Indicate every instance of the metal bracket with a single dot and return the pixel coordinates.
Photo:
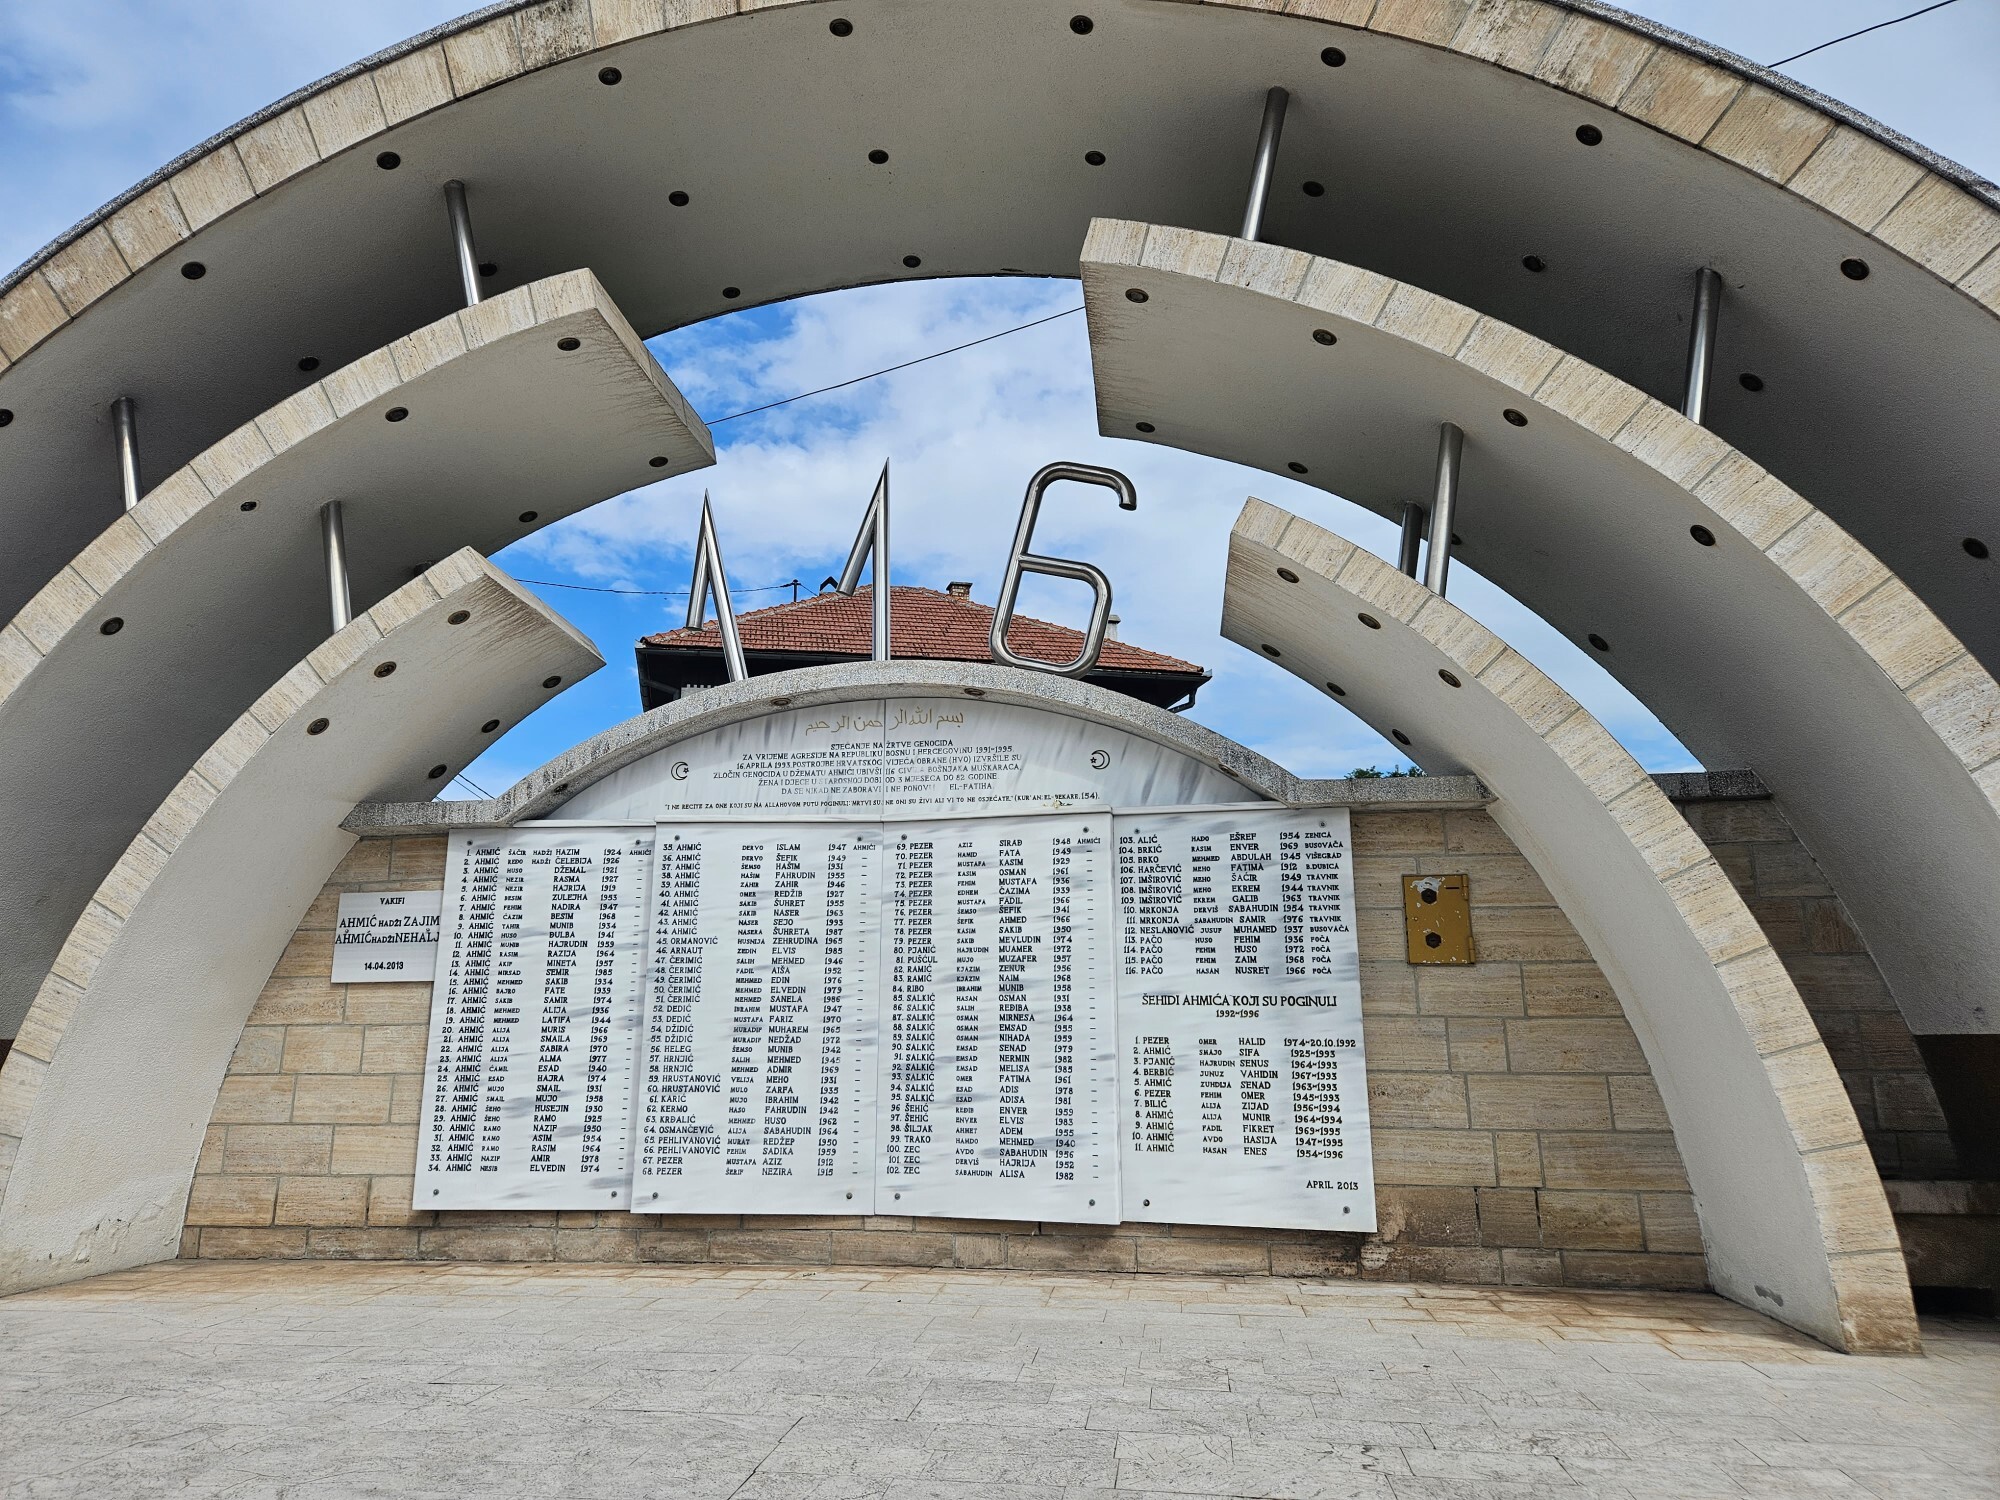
(1437, 919)
(1021, 560)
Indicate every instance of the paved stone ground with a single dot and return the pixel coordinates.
(255, 1379)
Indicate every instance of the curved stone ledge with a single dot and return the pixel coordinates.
(137, 655)
(1793, 1217)
(541, 793)
(1784, 646)
(1940, 214)
(105, 1095)
(1742, 169)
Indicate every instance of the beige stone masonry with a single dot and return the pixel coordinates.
(313, 1142)
(1294, 592)
(1880, 193)
(87, 1135)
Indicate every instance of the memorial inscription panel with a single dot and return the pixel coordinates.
(998, 1047)
(1246, 1097)
(528, 1081)
(757, 1073)
(891, 1002)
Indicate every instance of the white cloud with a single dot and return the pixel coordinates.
(965, 433)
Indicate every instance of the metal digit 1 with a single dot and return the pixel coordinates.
(1021, 560)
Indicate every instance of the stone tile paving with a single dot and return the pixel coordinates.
(322, 1380)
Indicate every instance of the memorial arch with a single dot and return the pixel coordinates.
(1556, 168)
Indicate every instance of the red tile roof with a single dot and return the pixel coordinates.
(923, 624)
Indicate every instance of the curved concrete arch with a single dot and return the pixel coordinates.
(130, 662)
(1783, 646)
(105, 1096)
(1793, 1217)
(1447, 143)
(542, 793)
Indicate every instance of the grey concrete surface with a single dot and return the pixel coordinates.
(266, 1379)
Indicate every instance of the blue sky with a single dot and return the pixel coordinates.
(94, 94)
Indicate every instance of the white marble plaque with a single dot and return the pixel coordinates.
(1245, 1095)
(757, 1071)
(534, 1019)
(998, 1095)
(386, 937)
(921, 756)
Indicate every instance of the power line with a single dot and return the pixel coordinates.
(1895, 21)
(584, 588)
(873, 374)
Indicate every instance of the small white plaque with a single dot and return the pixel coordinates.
(387, 937)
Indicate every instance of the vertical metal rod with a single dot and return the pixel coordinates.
(873, 540)
(1266, 164)
(126, 417)
(1437, 556)
(1701, 343)
(1414, 516)
(710, 579)
(334, 538)
(461, 238)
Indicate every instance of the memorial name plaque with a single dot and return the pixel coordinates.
(901, 758)
(1246, 1099)
(899, 956)
(386, 937)
(998, 1048)
(757, 1072)
(534, 1015)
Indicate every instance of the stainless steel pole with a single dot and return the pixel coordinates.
(1266, 163)
(1414, 516)
(873, 540)
(334, 538)
(1437, 557)
(461, 238)
(126, 416)
(1701, 343)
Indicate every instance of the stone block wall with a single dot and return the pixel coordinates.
(1518, 1136)
(1857, 1017)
